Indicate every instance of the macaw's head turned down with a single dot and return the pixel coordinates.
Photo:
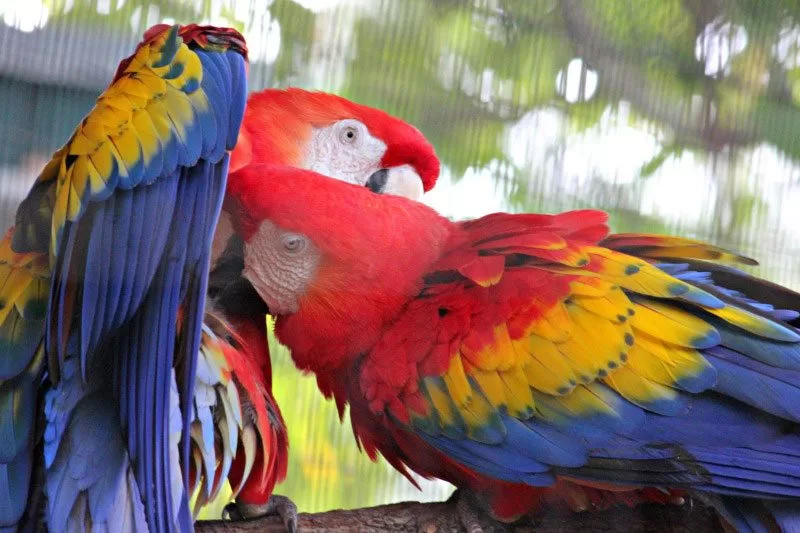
(317, 247)
(338, 138)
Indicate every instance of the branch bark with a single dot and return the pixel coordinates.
(440, 517)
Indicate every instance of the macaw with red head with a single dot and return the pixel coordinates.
(522, 356)
(105, 274)
(344, 140)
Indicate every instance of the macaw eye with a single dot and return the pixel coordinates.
(348, 134)
(293, 243)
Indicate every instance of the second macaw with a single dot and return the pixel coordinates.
(345, 141)
(513, 354)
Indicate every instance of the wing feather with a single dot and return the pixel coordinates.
(541, 332)
(124, 213)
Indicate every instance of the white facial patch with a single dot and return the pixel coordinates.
(280, 264)
(345, 151)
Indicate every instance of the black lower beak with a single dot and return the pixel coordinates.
(377, 182)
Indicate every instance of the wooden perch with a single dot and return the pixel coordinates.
(413, 516)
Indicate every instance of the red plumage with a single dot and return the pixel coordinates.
(276, 130)
(486, 353)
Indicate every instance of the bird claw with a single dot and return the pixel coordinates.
(276, 505)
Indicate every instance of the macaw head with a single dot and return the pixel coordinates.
(338, 138)
(331, 257)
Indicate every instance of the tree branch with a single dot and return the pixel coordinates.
(440, 517)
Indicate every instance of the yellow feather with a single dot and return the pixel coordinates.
(753, 323)
(503, 351)
(102, 160)
(609, 341)
(475, 413)
(14, 282)
(554, 324)
(81, 144)
(93, 129)
(441, 401)
(636, 275)
(665, 364)
(456, 380)
(110, 118)
(192, 68)
(153, 85)
(595, 344)
(638, 388)
(670, 323)
(491, 385)
(698, 251)
(584, 400)
(547, 370)
(73, 203)
(614, 264)
(518, 393)
(84, 166)
(127, 147)
(180, 108)
(148, 136)
(499, 354)
(604, 307)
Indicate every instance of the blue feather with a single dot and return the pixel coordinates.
(130, 255)
(117, 261)
(222, 74)
(775, 353)
(711, 420)
(99, 217)
(238, 96)
(212, 86)
(14, 478)
(771, 389)
(91, 470)
(16, 429)
(533, 474)
(595, 428)
(203, 236)
(162, 197)
(157, 166)
(54, 340)
(747, 464)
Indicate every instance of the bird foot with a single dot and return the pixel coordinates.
(468, 515)
(276, 506)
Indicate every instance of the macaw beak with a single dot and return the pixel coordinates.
(400, 181)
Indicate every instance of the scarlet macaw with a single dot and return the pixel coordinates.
(233, 411)
(513, 353)
(111, 243)
(345, 141)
